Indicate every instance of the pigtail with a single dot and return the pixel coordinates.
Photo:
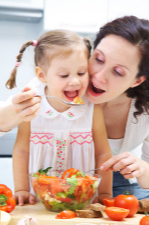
(11, 82)
(88, 45)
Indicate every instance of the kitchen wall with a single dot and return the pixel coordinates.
(12, 36)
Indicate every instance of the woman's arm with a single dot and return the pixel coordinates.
(20, 165)
(24, 107)
(102, 153)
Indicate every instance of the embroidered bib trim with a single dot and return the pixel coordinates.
(49, 112)
(48, 138)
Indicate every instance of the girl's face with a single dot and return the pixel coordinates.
(66, 78)
(113, 67)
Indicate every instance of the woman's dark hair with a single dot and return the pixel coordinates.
(136, 31)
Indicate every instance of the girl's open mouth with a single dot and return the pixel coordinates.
(71, 94)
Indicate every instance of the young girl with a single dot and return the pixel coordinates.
(60, 136)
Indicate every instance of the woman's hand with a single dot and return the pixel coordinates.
(26, 105)
(22, 197)
(128, 165)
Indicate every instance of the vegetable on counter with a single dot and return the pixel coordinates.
(116, 213)
(127, 201)
(108, 201)
(27, 221)
(144, 220)
(66, 214)
(7, 202)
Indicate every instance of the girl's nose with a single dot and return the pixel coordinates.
(74, 81)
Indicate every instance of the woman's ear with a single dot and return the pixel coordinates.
(138, 81)
(40, 74)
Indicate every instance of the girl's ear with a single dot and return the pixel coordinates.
(40, 74)
(138, 81)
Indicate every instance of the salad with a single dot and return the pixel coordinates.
(73, 190)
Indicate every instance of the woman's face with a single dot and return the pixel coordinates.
(113, 67)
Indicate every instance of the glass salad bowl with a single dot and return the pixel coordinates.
(59, 190)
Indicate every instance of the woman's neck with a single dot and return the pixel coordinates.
(120, 100)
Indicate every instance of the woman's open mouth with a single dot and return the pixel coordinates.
(95, 91)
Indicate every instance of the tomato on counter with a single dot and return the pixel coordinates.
(144, 220)
(116, 213)
(108, 201)
(127, 201)
(7, 202)
(66, 214)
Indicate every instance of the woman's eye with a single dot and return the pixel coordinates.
(118, 73)
(99, 60)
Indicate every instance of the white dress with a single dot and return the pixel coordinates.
(62, 140)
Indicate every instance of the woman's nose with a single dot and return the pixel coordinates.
(101, 75)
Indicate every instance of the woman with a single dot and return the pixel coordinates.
(119, 69)
(22, 107)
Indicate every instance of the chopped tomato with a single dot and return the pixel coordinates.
(108, 202)
(116, 213)
(69, 173)
(78, 100)
(67, 200)
(44, 179)
(66, 214)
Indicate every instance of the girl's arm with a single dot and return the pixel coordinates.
(20, 165)
(102, 154)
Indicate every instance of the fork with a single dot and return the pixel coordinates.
(92, 170)
(67, 103)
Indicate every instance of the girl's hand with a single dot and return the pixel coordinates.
(22, 197)
(26, 104)
(128, 165)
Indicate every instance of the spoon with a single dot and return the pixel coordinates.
(67, 103)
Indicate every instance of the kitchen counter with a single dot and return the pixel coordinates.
(46, 217)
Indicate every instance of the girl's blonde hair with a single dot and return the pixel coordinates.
(60, 43)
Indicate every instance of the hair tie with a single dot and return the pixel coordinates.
(17, 64)
(35, 43)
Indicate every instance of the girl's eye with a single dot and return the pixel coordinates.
(63, 76)
(81, 74)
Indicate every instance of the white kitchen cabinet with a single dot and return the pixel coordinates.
(83, 16)
(119, 8)
(87, 16)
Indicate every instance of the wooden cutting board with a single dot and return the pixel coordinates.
(46, 217)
